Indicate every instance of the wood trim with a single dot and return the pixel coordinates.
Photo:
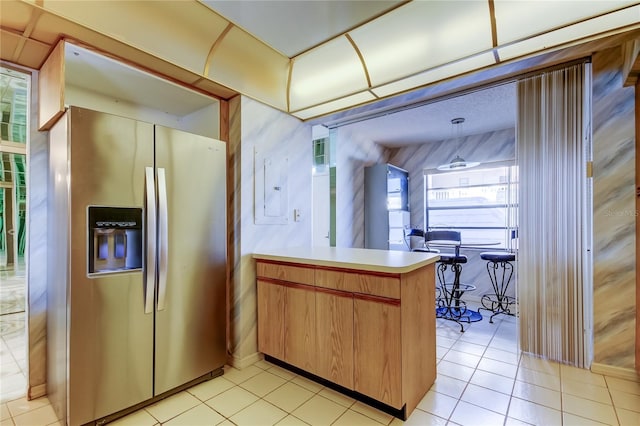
(618, 372)
(331, 268)
(378, 299)
(51, 88)
(333, 292)
(637, 225)
(494, 30)
(37, 391)
(224, 122)
(279, 262)
(362, 61)
(631, 65)
(359, 271)
(214, 47)
(287, 284)
(358, 282)
(290, 273)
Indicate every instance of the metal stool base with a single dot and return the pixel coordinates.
(497, 305)
(500, 273)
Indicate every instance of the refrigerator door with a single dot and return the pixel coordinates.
(191, 305)
(110, 336)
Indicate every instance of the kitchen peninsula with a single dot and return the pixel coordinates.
(361, 319)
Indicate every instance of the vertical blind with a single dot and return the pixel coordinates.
(554, 227)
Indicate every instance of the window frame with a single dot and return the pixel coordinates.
(510, 205)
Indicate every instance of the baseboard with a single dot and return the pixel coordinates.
(241, 363)
(618, 372)
(36, 391)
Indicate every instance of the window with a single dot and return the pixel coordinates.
(320, 154)
(481, 203)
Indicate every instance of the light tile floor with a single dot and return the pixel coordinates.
(481, 381)
(13, 353)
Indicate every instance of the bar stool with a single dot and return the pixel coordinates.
(500, 271)
(416, 232)
(450, 305)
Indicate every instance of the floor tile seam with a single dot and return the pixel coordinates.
(226, 418)
(498, 374)
(338, 418)
(173, 417)
(561, 411)
(208, 406)
(211, 397)
(262, 396)
(462, 365)
(284, 378)
(295, 417)
(513, 387)
(340, 415)
(540, 386)
(469, 353)
(585, 383)
(253, 403)
(30, 409)
(589, 418)
(637, 410)
(298, 406)
(460, 397)
(562, 378)
(350, 405)
(313, 392)
(486, 408)
(590, 399)
(362, 414)
(491, 389)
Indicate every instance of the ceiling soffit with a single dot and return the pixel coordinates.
(413, 45)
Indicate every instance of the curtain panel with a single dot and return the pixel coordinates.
(554, 278)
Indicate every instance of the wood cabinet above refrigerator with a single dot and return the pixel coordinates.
(79, 76)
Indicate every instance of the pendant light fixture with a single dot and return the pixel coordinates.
(458, 163)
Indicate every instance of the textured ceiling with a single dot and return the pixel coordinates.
(484, 110)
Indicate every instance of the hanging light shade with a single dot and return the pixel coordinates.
(458, 163)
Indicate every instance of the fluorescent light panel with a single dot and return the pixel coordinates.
(250, 66)
(446, 71)
(516, 20)
(417, 38)
(612, 21)
(336, 105)
(330, 70)
(422, 35)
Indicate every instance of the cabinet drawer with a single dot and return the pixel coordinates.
(285, 272)
(377, 285)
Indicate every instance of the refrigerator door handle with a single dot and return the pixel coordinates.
(150, 267)
(163, 238)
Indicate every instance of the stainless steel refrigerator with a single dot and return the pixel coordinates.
(137, 292)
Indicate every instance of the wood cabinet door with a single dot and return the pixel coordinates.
(300, 327)
(377, 353)
(271, 319)
(334, 332)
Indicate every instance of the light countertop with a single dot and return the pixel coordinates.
(351, 258)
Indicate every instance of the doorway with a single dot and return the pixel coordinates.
(14, 91)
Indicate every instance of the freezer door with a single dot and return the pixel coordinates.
(110, 336)
(191, 308)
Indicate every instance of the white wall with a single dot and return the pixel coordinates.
(252, 125)
(353, 154)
